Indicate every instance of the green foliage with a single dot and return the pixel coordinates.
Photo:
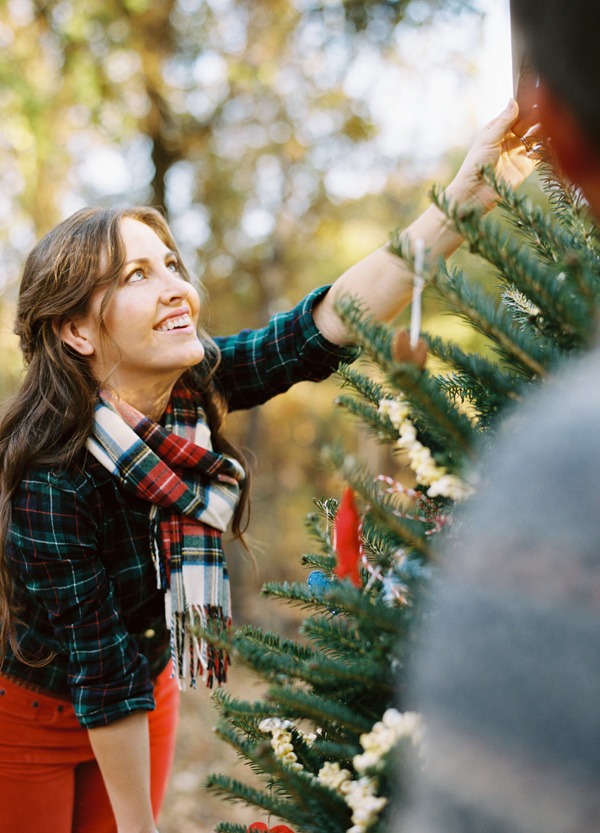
(347, 672)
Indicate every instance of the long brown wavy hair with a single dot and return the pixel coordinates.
(50, 418)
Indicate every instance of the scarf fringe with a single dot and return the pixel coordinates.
(162, 578)
(193, 656)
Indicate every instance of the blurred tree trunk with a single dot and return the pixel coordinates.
(153, 41)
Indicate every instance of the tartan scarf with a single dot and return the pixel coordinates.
(193, 492)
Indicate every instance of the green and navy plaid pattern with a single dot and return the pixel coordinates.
(80, 544)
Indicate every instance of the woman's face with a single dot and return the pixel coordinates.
(151, 319)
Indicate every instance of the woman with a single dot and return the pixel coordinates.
(117, 481)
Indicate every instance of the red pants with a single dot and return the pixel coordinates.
(49, 779)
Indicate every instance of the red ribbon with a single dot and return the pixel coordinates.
(347, 539)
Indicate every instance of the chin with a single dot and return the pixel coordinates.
(193, 358)
(200, 353)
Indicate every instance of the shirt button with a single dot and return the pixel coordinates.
(35, 704)
(149, 633)
(60, 708)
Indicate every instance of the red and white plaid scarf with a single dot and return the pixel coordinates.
(193, 492)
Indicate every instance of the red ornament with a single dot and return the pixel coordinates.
(260, 825)
(347, 539)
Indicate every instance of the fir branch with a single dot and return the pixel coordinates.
(478, 381)
(274, 643)
(409, 532)
(233, 790)
(255, 754)
(296, 796)
(382, 543)
(321, 562)
(380, 424)
(566, 200)
(322, 534)
(435, 410)
(341, 597)
(365, 386)
(354, 671)
(272, 666)
(528, 316)
(349, 643)
(370, 334)
(516, 264)
(334, 636)
(486, 403)
(327, 507)
(337, 718)
(472, 365)
(366, 609)
(587, 281)
(283, 781)
(228, 705)
(342, 752)
(297, 594)
(471, 302)
(550, 237)
(228, 827)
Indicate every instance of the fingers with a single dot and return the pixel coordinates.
(499, 125)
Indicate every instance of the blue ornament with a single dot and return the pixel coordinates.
(318, 582)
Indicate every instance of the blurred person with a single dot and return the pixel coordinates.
(508, 670)
(117, 481)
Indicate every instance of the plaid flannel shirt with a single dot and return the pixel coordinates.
(79, 547)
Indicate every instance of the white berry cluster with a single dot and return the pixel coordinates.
(393, 727)
(281, 740)
(359, 795)
(426, 470)
(334, 777)
(363, 802)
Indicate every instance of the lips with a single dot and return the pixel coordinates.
(174, 322)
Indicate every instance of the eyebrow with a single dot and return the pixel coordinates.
(146, 260)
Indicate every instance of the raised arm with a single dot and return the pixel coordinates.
(382, 282)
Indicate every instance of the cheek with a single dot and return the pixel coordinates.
(194, 302)
(128, 318)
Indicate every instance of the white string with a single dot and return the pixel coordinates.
(418, 284)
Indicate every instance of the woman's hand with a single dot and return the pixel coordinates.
(382, 282)
(497, 146)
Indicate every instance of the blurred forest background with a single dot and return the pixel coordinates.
(284, 139)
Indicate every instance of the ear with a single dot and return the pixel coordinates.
(75, 335)
(576, 154)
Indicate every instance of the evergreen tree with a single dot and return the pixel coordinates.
(325, 739)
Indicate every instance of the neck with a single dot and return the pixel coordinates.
(149, 398)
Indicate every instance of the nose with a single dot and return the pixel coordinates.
(174, 288)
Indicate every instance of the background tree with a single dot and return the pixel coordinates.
(239, 118)
(253, 124)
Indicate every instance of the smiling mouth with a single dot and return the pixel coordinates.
(175, 323)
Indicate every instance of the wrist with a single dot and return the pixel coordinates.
(478, 194)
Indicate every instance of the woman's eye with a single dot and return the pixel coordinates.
(173, 265)
(138, 275)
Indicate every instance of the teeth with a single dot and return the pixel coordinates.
(172, 323)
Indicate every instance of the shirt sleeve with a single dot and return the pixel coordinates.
(54, 551)
(259, 364)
